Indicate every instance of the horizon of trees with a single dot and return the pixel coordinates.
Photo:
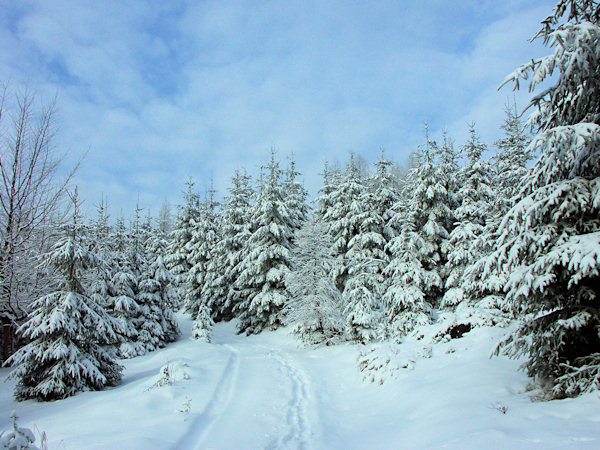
(378, 253)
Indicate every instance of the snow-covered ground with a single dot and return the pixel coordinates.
(264, 392)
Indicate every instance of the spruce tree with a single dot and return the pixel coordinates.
(475, 197)
(295, 195)
(236, 230)
(511, 160)
(178, 260)
(266, 264)
(344, 217)
(367, 256)
(415, 273)
(66, 329)
(212, 293)
(314, 309)
(548, 244)
(122, 294)
(324, 201)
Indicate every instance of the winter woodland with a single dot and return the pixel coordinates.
(380, 252)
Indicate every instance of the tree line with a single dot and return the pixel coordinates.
(378, 253)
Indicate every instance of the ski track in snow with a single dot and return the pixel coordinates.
(296, 415)
(223, 394)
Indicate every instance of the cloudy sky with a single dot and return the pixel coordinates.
(161, 90)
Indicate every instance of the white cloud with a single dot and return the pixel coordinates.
(160, 91)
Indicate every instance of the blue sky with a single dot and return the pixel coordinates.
(161, 90)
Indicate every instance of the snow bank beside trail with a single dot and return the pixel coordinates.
(266, 391)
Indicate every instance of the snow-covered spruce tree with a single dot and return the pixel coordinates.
(410, 283)
(385, 197)
(367, 256)
(415, 273)
(202, 248)
(99, 278)
(314, 308)
(164, 223)
(160, 284)
(213, 292)
(267, 261)
(155, 322)
(236, 229)
(324, 201)
(122, 293)
(65, 329)
(511, 160)
(198, 255)
(294, 198)
(146, 318)
(343, 218)
(475, 197)
(450, 177)
(549, 242)
(159, 246)
(178, 257)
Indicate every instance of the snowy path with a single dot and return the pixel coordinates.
(220, 400)
(263, 392)
(297, 419)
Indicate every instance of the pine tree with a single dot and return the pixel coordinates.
(415, 273)
(163, 222)
(212, 293)
(294, 198)
(266, 264)
(236, 230)
(511, 160)
(475, 196)
(314, 309)
(549, 242)
(100, 277)
(411, 280)
(367, 255)
(65, 329)
(450, 178)
(324, 201)
(344, 218)
(199, 301)
(122, 293)
(385, 197)
(178, 258)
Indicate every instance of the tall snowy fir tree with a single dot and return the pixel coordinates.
(548, 245)
(511, 160)
(201, 251)
(123, 291)
(267, 261)
(212, 293)
(178, 258)
(155, 322)
(314, 309)
(324, 201)
(367, 256)
(294, 198)
(475, 197)
(450, 177)
(101, 275)
(66, 329)
(407, 295)
(236, 229)
(344, 217)
(416, 270)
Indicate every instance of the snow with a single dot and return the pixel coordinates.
(264, 391)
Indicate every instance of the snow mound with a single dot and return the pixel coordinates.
(170, 374)
(386, 360)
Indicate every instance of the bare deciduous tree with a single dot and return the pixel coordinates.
(31, 190)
